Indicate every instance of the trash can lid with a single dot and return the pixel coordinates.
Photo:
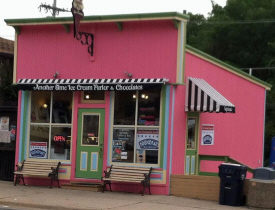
(231, 164)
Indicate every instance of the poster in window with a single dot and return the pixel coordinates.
(207, 134)
(13, 132)
(147, 139)
(4, 122)
(123, 139)
(38, 150)
(5, 137)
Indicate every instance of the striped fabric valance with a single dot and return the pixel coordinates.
(200, 96)
(89, 84)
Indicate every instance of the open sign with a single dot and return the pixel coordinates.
(59, 138)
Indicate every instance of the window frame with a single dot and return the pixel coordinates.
(136, 127)
(50, 124)
(92, 101)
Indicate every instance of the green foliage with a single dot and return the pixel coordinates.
(243, 35)
(8, 91)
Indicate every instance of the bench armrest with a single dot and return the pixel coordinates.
(107, 174)
(55, 170)
(19, 166)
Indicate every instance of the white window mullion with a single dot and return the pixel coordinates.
(50, 126)
(136, 120)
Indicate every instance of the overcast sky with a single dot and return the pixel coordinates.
(17, 9)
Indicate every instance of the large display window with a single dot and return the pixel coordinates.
(50, 125)
(136, 136)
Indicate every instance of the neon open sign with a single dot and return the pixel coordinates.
(59, 138)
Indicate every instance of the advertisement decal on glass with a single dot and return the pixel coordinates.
(207, 134)
(122, 142)
(13, 132)
(5, 137)
(147, 139)
(38, 150)
(4, 123)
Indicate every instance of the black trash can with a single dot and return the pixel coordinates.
(232, 178)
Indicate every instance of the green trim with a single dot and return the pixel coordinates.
(234, 69)
(119, 25)
(67, 27)
(184, 47)
(163, 102)
(208, 174)
(97, 174)
(195, 151)
(111, 18)
(178, 83)
(17, 29)
(224, 158)
(214, 157)
(176, 23)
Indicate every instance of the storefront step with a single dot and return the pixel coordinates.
(96, 187)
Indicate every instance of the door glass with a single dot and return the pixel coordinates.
(191, 142)
(90, 129)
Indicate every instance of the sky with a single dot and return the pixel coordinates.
(20, 9)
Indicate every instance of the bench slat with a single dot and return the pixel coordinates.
(125, 178)
(128, 174)
(37, 164)
(34, 174)
(121, 180)
(129, 168)
(129, 171)
(37, 168)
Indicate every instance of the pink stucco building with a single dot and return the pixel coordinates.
(135, 95)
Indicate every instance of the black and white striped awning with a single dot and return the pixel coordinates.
(89, 84)
(200, 96)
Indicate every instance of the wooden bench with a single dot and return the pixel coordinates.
(127, 174)
(34, 167)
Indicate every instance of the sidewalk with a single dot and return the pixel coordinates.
(58, 198)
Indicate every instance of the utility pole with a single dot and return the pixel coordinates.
(53, 9)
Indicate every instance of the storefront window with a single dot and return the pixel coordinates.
(125, 108)
(60, 142)
(93, 96)
(40, 112)
(62, 108)
(123, 145)
(136, 127)
(50, 127)
(90, 129)
(191, 133)
(148, 109)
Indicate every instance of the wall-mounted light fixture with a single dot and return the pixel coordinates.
(45, 106)
(128, 74)
(55, 74)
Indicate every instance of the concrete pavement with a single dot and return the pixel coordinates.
(58, 198)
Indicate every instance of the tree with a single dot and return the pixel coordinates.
(8, 92)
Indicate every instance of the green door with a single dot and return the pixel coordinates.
(90, 143)
(192, 144)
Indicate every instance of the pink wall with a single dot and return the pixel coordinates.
(238, 135)
(179, 131)
(147, 49)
